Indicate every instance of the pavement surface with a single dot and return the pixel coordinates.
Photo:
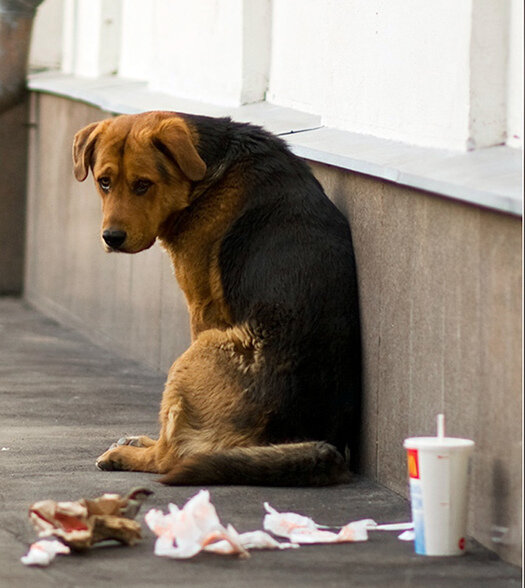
(63, 400)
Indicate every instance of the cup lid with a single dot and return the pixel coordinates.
(437, 443)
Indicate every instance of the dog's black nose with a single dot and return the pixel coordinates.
(114, 237)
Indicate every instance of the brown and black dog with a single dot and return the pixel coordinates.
(268, 392)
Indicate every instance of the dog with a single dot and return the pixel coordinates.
(268, 393)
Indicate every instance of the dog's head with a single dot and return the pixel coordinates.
(143, 166)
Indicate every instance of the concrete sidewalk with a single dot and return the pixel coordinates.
(63, 400)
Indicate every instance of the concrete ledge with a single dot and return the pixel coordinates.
(120, 96)
(490, 178)
(486, 177)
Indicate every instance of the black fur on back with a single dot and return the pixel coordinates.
(288, 268)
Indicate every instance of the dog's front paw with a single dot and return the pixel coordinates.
(129, 453)
(109, 461)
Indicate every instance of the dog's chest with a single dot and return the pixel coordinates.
(195, 260)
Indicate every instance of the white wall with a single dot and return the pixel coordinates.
(137, 40)
(210, 50)
(431, 74)
(489, 56)
(91, 37)
(447, 74)
(515, 81)
(46, 46)
(298, 69)
(201, 60)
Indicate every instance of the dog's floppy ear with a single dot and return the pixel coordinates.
(83, 147)
(174, 140)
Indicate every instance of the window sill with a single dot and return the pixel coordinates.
(490, 177)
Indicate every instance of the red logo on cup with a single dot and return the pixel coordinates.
(461, 543)
(413, 463)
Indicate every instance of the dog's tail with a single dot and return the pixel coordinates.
(314, 463)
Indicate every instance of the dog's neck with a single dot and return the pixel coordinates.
(216, 200)
(193, 240)
(212, 177)
(212, 203)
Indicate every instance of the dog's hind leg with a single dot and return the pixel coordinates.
(314, 463)
(202, 406)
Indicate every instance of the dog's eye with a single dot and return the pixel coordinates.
(105, 183)
(140, 187)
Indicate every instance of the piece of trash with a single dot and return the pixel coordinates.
(407, 528)
(285, 523)
(393, 527)
(183, 533)
(250, 540)
(43, 552)
(409, 535)
(5, 448)
(83, 523)
(300, 529)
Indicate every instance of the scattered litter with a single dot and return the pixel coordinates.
(43, 552)
(392, 527)
(285, 523)
(409, 535)
(251, 540)
(183, 533)
(5, 448)
(302, 530)
(83, 523)
(407, 528)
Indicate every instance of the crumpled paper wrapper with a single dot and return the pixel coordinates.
(43, 552)
(184, 532)
(304, 530)
(85, 522)
(181, 533)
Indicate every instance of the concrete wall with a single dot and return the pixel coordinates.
(440, 286)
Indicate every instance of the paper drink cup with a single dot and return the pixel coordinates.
(438, 470)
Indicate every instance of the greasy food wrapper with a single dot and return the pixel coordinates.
(183, 533)
(82, 523)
